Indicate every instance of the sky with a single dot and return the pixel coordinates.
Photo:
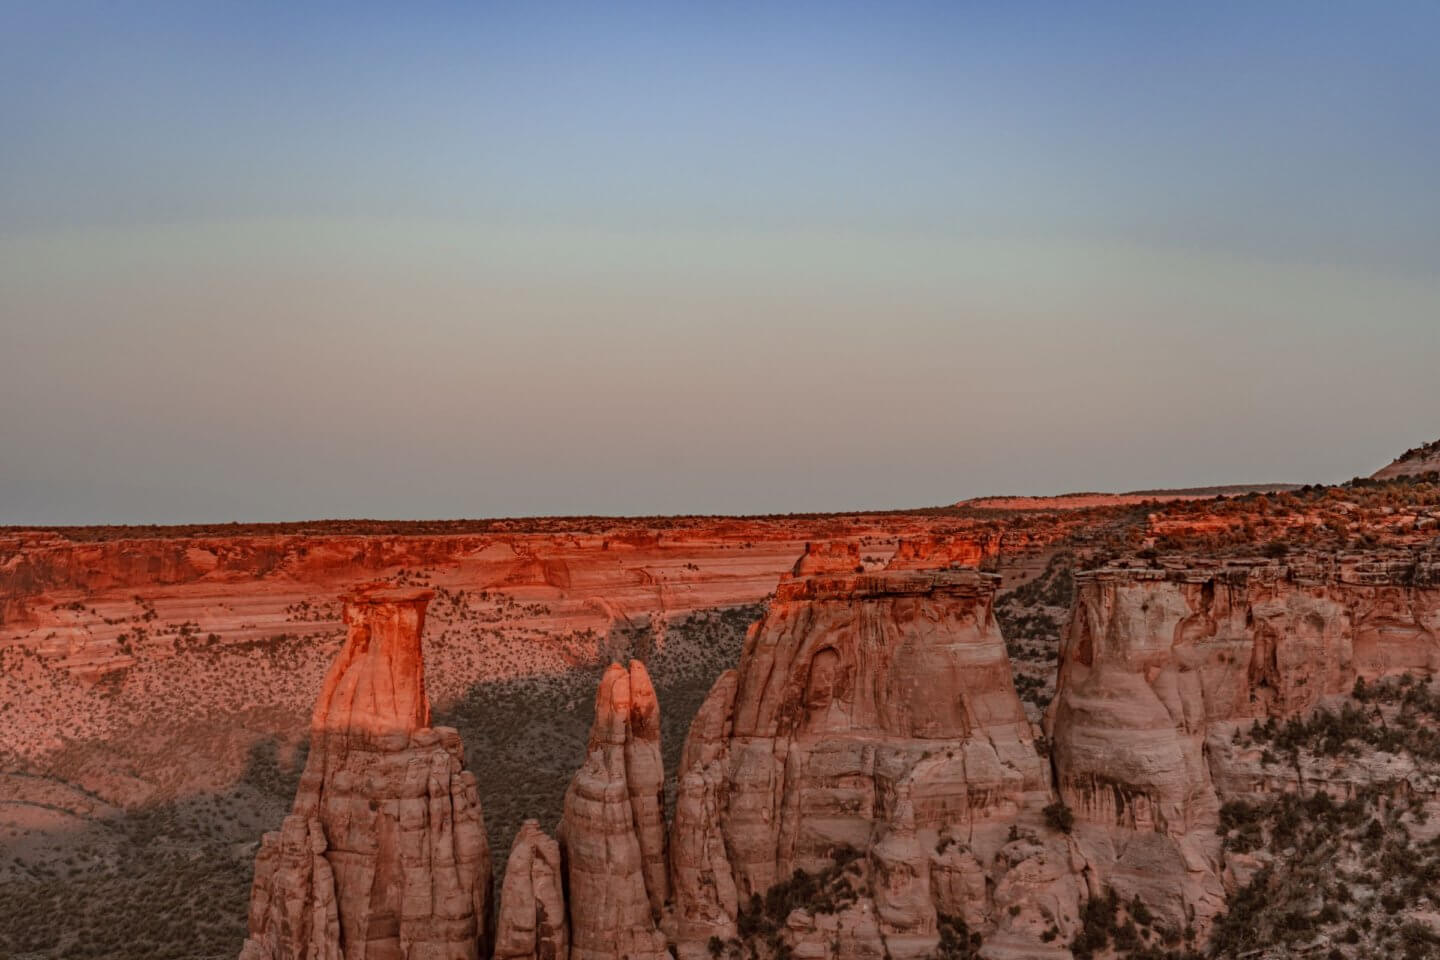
(279, 261)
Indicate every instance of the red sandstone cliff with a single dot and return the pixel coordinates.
(532, 922)
(930, 553)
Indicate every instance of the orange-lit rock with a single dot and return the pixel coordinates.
(706, 899)
(384, 856)
(377, 684)
(828, 556)
(931, 553)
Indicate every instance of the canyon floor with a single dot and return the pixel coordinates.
(155, 687)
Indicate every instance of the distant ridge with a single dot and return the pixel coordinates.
(1225, 490)
(1413, 462)
(1081, 501)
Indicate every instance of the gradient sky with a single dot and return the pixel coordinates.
(272, 261)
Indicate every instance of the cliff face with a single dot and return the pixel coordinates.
(1160, 667)
(377, 683)
(828, 556)
(384, 856)
(871, 716)
(930, 553)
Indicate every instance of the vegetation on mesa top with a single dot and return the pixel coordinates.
(1350, 871)
(1431, 449)
(1104, 503)
(1096, 522)
(426, 528)
(1159, 494)
(1363, 514)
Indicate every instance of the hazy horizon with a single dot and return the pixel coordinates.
(262, 263)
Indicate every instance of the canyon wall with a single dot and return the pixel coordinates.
(1161, 666)
(78, 604)
(872, 721)
(864, 783)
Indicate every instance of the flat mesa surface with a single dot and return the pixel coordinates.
(1084, 501)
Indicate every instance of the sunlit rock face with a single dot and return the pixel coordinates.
(1158, 665)
(852, 679)
(873, 713)
(938, 553)
(377, 684)
(828, 557)
(384, 855)
(871, 732)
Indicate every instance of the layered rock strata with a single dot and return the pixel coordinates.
(1161, 666)
(872, 713)
(1415, 462)
(384, 855)
(871, 735)
(828, 556)
(532, 923)
(931, 553)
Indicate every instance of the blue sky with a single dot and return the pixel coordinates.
(270, 261)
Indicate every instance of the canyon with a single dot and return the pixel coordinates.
(1066, 731)
(871, 735)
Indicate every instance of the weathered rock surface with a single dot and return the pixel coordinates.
(532, 923)
(377, 684)
(384, 856)
(292, 907)
(612, 832)
(931, 553)
(1159, 666)
(828, 556)
(1017, 554)
(874, 713)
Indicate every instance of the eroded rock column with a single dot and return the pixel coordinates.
(384, 856)
(612, 831)
(532, 924)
